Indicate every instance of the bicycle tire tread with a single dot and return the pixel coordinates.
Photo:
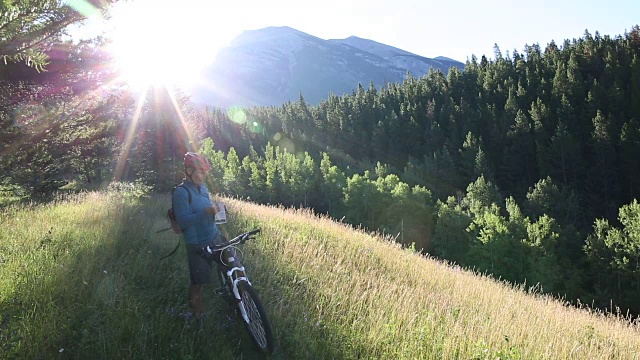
(244, 287)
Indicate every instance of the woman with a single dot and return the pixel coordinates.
(195, 215)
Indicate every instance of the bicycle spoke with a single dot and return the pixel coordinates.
(255, 321)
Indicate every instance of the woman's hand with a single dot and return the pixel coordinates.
(211, 210)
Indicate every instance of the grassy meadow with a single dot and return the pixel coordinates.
(81, 278)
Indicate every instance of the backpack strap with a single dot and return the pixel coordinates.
(174, 250)
(186, 188)
(178, 244)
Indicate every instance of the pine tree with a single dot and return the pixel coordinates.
(232, 179)
(451, 241)
(629, 159)
(519, 159)
(602, 173)
(333, 185)
(468, 155)
(540, 117)
(480, 197)
(273, 180)
(28, 27)
(567, 160)
(615, 252)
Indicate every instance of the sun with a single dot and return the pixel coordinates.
(157, 42)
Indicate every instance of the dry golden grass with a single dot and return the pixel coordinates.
(81, 278)
(404, 305)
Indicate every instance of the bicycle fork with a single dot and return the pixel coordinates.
(234, 276)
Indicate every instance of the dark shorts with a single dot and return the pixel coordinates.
(199, 263)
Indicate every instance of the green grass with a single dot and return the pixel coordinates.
(11, 195)
(81, 279)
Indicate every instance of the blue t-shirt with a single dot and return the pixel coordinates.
(198, 226)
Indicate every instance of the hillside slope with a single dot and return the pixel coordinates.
(86, 279)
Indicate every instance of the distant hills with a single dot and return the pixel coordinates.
(274, 65)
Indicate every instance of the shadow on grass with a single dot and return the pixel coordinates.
(113, 298)
(66, 289)
(93, 289)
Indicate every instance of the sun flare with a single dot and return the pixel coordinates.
(161, 43)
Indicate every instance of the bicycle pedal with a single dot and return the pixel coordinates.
(221, 291)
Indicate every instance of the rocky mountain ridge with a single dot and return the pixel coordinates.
(270, 66)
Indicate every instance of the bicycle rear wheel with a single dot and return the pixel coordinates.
(258, 325)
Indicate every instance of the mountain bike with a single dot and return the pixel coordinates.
(237, 287)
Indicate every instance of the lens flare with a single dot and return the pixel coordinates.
(83, 7)
(256, 127)
(237, 115)
(287, 145)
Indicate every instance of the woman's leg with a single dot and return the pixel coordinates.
(200, 273)
(195, 300)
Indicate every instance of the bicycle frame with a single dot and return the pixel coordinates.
(233, 268)
(235, 280)
(235, 273)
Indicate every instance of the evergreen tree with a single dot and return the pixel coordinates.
(451, 241)
(218, 165)
(542, 130)
(361, 198)
(567, 160)
(617, 252)
(257, 183)
(519, 161)
(333, 185)
(481, 195)
(29, 27)
(629, 163)
(468, 154)
(602, 173)
(273, 180)
(482, 166)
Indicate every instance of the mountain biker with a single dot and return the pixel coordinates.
(194, 213)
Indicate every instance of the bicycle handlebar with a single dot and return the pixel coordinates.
(240, 239)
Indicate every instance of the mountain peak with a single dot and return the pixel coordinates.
(444, 58)
(270, 33)
(273, 65)
(279, 30)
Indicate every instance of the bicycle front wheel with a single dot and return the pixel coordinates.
(258, 324)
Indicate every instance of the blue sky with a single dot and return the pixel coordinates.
(455, 29)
